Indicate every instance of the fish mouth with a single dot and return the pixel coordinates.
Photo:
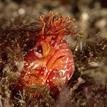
(32, 80)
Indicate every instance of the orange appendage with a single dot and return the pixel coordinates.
(57, 26)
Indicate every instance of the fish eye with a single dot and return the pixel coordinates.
(39, 49)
